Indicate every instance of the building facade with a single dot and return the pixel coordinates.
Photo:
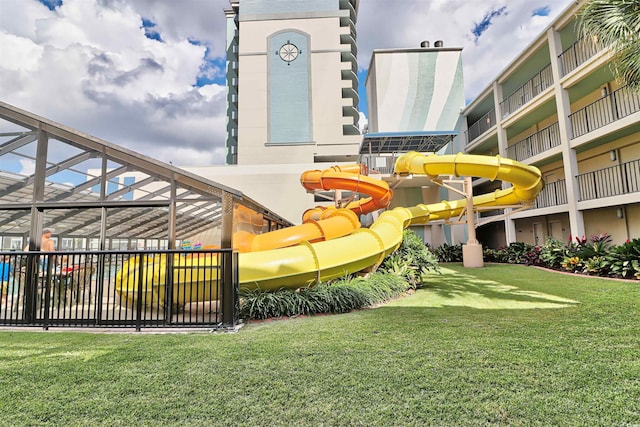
(292, 81)
(292, 97)
(557, 106)
(414, 100)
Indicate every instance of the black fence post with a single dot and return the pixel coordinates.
(229, 290)
(168, 289)
(139, 299)
(31, 279)
(47, 292)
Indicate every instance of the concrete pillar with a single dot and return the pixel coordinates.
(503, 143)
(569, 159)
(472, 251)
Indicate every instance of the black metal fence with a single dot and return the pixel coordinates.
(614, 106)
(525, 93)
(539, 142)
(129, 289)
(480, 126)
(553, 194)
(577, 54)
(612, 181)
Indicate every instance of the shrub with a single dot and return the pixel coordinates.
(553, 253)
(596, 245)
(411, 261)
(495, 255)
(573, 264)
(338, 296)
(596, 266)
(532, 257)
(449, 253)
(624, 260)
(515, 253)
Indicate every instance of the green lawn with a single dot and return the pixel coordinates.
(500, 345)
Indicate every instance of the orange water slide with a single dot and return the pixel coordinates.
(324, 223)
(349, 178)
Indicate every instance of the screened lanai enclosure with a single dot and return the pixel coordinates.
(139, 243)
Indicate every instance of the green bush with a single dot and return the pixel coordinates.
(553, 253)
(624, 260)
(596, 245)
(594, 256)
(495, 255)
(338, 296)
(411, 261)
(515, 253)
(449, 253)
(596, 266)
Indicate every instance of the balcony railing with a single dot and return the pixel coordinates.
(615, 106)
(577, 54)
(525, 93)
(381, 164)
(553, 194)
(485, 123)
(612, 181)
(541, 141)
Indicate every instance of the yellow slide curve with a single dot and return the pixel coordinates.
(330, 243)
(305, 264)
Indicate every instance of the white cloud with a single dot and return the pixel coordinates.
(88, 64)
(24, 53)
(28, 167)
(452, 21)
(363, 122)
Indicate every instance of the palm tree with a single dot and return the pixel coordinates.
(616, 23)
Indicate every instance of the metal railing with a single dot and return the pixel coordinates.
(539, 142)
(525, 93)
(553, 194)
(612, 181)
(381, 164)
(162, 288)
(577, 54)
(615, 106)
(482, 125)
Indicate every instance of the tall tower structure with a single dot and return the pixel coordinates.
(292, 81)
(415, 90)
(415, 97)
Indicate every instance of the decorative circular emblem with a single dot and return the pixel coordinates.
(288, 52)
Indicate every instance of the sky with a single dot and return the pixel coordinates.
(149, 74)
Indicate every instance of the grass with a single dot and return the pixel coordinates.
(500, 345)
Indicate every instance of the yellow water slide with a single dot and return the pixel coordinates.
(305, 264)
(323, 250)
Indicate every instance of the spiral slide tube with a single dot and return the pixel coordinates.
(307, 263)
(323, 223)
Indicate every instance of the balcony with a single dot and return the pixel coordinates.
(615, 106)
(577, 54)
(541, 141)
(525, 93)
(485, 123)
(350, 40)
(553, 194)
(612, 181)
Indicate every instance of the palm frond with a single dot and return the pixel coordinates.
(616, 24)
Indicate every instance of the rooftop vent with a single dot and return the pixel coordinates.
(424, 43)
(438, 43)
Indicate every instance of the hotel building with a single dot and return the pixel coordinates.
(558, 106)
